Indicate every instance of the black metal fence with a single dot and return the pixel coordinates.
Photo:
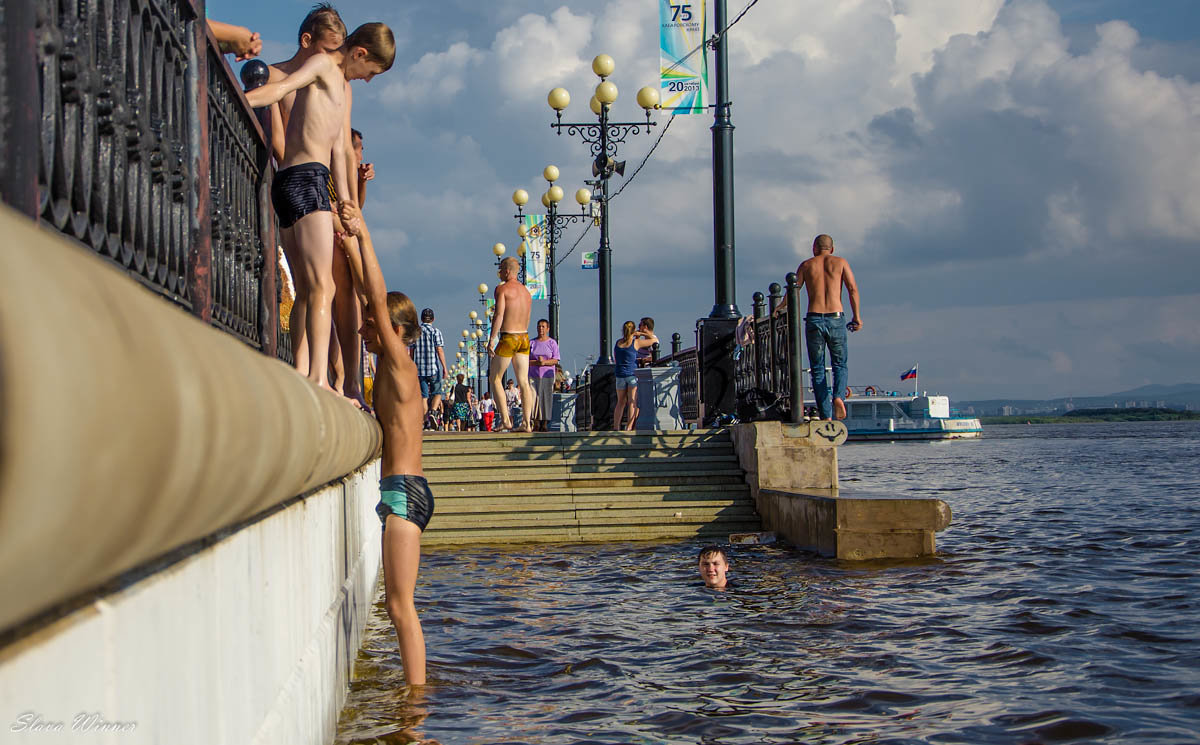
(768, 370)
(123, 128)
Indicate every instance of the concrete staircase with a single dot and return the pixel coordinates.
(571, 487)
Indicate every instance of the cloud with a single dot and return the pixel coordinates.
(970, 159)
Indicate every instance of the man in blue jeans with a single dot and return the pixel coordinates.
(825, 325)
(430, 358)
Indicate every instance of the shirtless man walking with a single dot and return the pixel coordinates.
(823, 276)
(317, 122)
(510, 340)
(405, 500)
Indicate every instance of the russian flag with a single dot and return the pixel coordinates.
(910, 374)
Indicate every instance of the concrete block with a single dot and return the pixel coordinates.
(855, 527)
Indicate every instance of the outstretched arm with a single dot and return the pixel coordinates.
(374, 286)
(645, 340)
(306, 75)
(497, 320)
(236, 40)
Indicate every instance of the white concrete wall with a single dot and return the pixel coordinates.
(251, 640)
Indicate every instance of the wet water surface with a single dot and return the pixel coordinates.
(1062, 607)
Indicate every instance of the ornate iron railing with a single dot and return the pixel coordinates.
(688, 362)
(123, 128)
(583, 405)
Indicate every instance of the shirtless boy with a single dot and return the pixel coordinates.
(406, 504)
(823, 276)
(510, 340)
(317, 122)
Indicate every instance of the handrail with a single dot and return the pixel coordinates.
(125, 130)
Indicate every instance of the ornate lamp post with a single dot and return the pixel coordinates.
(603, 137)
(552, 226)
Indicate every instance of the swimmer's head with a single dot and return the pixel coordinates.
(713, 564)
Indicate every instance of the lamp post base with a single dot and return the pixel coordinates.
(718, 376)
(602, 385)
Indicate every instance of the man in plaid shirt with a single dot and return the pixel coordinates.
(430, 357)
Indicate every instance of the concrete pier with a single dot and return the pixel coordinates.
(792, 472)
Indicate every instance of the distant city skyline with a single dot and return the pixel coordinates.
(1016, 184)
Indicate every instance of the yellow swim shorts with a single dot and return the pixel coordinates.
(511, 344)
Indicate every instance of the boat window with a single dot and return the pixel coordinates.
(862, 411)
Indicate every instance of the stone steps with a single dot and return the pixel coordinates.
(567, 486)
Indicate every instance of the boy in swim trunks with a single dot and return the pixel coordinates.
(317, 122)
(405, 502)
(510, 339)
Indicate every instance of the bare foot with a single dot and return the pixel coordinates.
(839, 408)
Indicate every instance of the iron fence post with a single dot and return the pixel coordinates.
(676, 343)
(20, 130)
(795, 356)
(774, 299)
(199, 273)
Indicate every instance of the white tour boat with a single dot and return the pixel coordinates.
(876, 414)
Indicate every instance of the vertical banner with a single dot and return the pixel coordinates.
(472, 361)
(535, 255)
(683, 26)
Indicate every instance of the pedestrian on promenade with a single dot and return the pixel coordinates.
(300, 191)
(512, 400)
(463, 397)
(543, 361)
(824, 276)
(487, 412)
(625, 355)
(366, 171)
(645, 354)
(430, 356)
(509, 341)
(405, 500)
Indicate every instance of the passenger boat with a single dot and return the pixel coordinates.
(876, 414)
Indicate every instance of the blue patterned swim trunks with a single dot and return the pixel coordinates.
(405, 496)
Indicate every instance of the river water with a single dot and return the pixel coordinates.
(1063, 606)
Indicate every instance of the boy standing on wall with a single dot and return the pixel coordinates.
(317, 123)
(405, 501)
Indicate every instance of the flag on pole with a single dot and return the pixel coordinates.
(912, 373)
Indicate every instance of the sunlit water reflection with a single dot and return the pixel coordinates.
(1062, 607)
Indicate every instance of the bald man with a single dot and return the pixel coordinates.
(825, 325)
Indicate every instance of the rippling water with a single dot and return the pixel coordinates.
(1062, 607)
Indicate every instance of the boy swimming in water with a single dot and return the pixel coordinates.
(317, 122)
(406, 503)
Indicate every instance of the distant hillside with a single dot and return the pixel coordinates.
(1182, 396)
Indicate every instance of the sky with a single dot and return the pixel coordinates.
(1016, 184)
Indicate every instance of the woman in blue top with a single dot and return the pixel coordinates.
(625, 356)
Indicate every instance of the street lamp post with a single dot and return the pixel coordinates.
(603, 137)
(552, 225)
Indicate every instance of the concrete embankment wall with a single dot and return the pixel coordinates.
(157, 562)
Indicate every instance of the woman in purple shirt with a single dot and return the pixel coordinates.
(543, 356)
